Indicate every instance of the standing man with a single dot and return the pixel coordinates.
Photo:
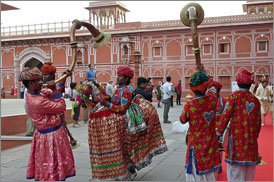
(159, 93)
(141, 85)
(22, 92)
(166, 90)
(263, 94)
(49, 71)
(172, 94)
(90, 75)
(202, 157)
(242, 112)
(178, 90)
(51, 158)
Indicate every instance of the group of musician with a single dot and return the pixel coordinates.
(117, 155)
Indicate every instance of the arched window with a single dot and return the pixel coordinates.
(125, 49)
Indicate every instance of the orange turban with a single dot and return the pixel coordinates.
(48, 68)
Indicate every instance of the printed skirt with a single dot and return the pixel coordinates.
(113, 151)
(51, 157)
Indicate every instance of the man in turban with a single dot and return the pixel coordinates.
(114, 136)
(49, 71)
(243, 117)
(50, 142)
(202, 158)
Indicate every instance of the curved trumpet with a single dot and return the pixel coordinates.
(99, 38)
(192, 15)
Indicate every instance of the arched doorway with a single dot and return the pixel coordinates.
(33, 62)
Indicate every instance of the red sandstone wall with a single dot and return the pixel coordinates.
(173, 60)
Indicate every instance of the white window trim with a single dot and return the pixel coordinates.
(227, 48)
(210, 46)
(187, 50)
(154, 51)
(258, 50)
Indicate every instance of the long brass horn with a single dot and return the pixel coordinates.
(99, 39)
(192, 15)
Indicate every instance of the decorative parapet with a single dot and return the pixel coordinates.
(63, 27)
(213, 20)
(45, 28)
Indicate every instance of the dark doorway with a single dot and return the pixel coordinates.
(33, 62)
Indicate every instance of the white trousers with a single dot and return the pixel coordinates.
(240, 173)
(212, 176)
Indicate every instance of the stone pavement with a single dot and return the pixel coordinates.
(165, 167)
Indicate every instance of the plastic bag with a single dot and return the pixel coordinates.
(178, 127)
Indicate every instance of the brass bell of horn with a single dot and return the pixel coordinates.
(99, 38)
(192, 15)
(186, 14)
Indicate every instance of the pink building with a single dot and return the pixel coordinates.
(228, 45)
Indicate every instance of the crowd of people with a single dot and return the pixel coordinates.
(125, 133)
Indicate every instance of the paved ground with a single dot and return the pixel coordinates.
(165, 167)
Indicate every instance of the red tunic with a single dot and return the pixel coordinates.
(202, 138)
(243, 111)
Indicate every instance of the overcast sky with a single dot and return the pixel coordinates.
(36, 12)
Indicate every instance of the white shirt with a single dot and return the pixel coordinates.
(166, 89)
(74, 93)
(109, 89)
(25, 91)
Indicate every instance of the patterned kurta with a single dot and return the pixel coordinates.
(243, 111)
(51, 157)
(220, 108)
(202, 140)
(120, 100)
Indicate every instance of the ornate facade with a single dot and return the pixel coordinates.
(228, 45)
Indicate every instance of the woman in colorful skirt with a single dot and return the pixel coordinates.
(51, 157)
(114, 153)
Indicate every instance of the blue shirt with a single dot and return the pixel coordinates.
(91, 74)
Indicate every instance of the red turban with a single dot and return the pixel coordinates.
(125, 70)
(244, 77)
(48, 68)
(216, 84)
